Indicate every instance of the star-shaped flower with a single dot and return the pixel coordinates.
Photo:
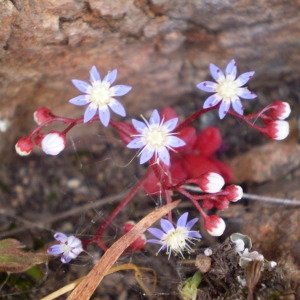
(227, 89)
(155, 138)
(68, 247)
(175, 239)
(100, 96)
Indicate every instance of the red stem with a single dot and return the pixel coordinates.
(120, 128)
(194, 201)
(194, 116)
(110, 218)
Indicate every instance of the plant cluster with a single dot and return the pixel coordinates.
(178, 158)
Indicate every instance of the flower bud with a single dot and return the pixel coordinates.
(140, 242)
(24, 146)
(235, 193)
(53, 143)
(280, 110)
(219, 202)
(277, 130)
(210, 182)
(38, 139)
(214, 225)
(41, 115)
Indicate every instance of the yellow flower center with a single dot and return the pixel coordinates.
(227, 89)
(155, 136)
(100, 95)
(176, 240)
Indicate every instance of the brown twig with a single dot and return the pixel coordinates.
(87, 286)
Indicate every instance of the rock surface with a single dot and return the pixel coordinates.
(162, 48)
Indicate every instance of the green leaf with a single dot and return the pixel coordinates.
(15, 260)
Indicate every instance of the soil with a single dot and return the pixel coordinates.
(41, 195)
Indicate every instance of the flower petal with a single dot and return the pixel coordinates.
(244, 78)
(156, 232)
(104, 115)
(80, 100)
(216, 72)
(137, 143)
(237, 106)
(245, 93)
(110, 77)
(181, 222)
(164, 156)
(166, 225)
(65, 259)
(120, 90)
(224, 107)
(174, 141)
(207, 86)
(212, 101)
(76, 251)
(55, 250)
(195, 234)
(191, 223)
(82, 86)
(153, 241)
(138, 125)
(231, 69)
(89, 112)
(146, 155)
(117, 107)
(155, 118)
(60, 237)
(171, 124)
(94, 75)
(74, 242)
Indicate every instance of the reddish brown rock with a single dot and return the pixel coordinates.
(162, 48)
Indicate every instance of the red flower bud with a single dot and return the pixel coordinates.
(209, 182)
(42, 114)
(24, 146)
(214, 225)
(140, 242)
(235, 193)
(277, 130)
(279, 110)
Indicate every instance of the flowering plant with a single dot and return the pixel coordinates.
(179, 159)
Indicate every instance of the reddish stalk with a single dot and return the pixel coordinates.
(116, 211)
(194, 116)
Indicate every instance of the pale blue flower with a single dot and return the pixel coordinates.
(227, 89)
(68, 247)
(175, 239)
(155, 138)
(99, 95)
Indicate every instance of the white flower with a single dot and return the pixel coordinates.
(155, 138)
(176, 239)
(227, 89)
(239, 245)
(53, 143)
(246, 257)
(68, 247)
(99, 95)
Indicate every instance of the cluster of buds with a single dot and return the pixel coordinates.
(51, 143)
